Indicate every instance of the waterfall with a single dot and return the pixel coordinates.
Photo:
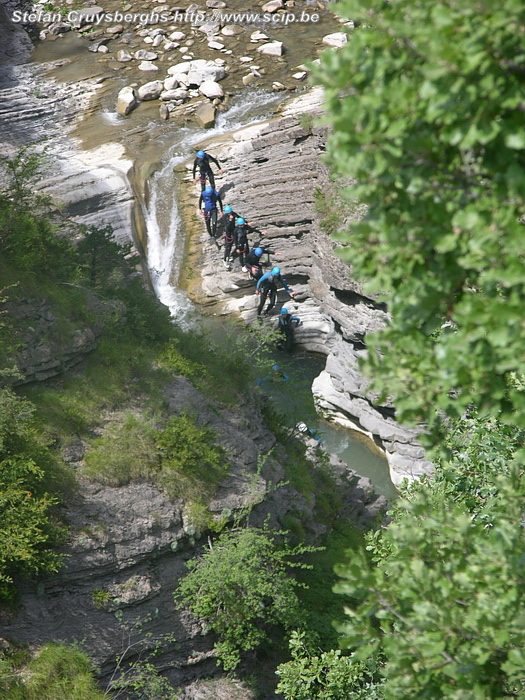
(163, 223)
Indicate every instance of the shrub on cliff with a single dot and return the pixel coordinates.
(28, 528)
(28, 240)
(56, 673)
(242, 588)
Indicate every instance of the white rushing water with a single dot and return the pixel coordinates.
(163, 223)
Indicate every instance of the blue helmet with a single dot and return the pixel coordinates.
(208, 190)
(275, 368)
(258, 251)
(276, 271)
(228, 209)
(284, 310)
(240, 221)
(200, 154)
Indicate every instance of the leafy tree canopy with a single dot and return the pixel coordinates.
(426, 101)
(242, 587)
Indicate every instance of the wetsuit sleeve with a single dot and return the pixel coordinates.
(200, 201)
(262, 279)
(283, 282)
(220, 202)
(213, 160)
(195, 164)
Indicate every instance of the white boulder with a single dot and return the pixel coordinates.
(211, 89)
(126, 101)
(272, 48)
(150, 91)
(337, 39)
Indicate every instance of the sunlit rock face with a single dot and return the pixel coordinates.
(275, 179)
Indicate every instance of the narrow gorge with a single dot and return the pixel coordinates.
(133, 173)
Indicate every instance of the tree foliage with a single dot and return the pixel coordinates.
(325, 675)
(28, 528)
(426, 101)
(28, 240)
(242, 588)
(445, 601)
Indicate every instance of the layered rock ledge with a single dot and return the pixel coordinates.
(272, 173)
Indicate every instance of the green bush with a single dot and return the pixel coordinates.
(325, 675)
(192, 465)
(242, 589)
(28, 529)
(57, 673)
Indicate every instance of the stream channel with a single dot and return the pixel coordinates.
(165, 256)
(150, 140)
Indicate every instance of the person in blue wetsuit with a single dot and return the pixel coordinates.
(210, 197)
(267, 287)
(277, 375)
(286, 326)
(202, 162)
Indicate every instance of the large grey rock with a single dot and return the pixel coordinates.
(205, 115)
(147, 66)
(171, 83)
(273, 6)
(271, 48)
(211, 89)
(151, 90)
(126, 101)
(258, 36)
(232, 29)
(143, 55)
(124, 56)
(209, 28)
(179, 93)
(209, 72)
(337, 39)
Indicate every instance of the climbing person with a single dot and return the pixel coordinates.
(226, 227)
(277, 375)
(210, 197)
(242, 247)
(267, 287)
(202, 162)
(253, 262)
(286, 325)
(241, 241)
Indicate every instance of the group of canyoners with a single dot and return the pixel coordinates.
(232, 230)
